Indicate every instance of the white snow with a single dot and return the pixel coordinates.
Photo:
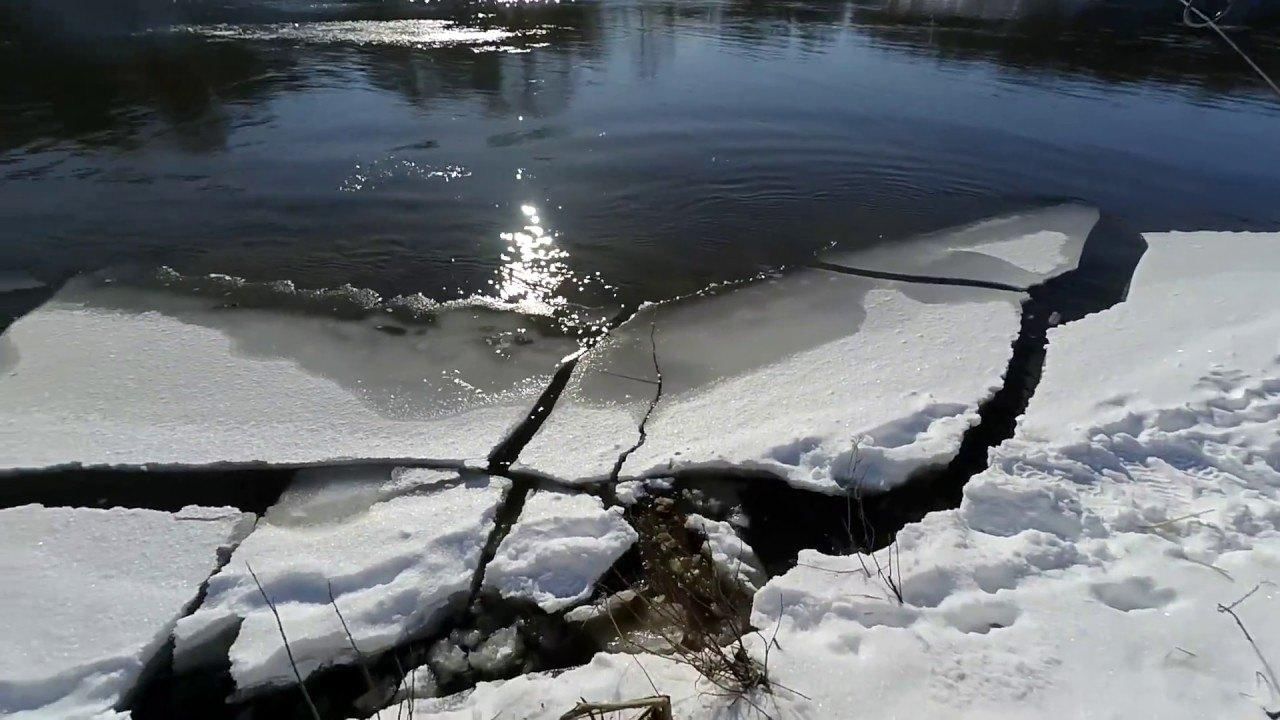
(557, 550)
(786, 375)
(1202, 303)
(90, 596)
(1021, 250)
(547, 696)
(99, 376)
(398, 550)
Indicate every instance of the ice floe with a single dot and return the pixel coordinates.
(398, 550)
(557, 550)
(105, 375)
(1019, 250)
(814, 376)
(91, 595)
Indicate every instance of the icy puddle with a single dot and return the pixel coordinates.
(107, 376)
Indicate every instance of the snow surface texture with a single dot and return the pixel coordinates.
(1081, 575)
(397, 550)
(1020, 250)
(96, 377)
(558, 549)
(91, 595)
(785, 375)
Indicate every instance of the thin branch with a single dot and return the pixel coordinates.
(364, 667)
(288, 650)
(1231, 610)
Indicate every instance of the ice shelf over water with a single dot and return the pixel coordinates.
(89, 597)
(397, 549)
(1083, 573)
(111, 376)
(1019, 250)
(557, 550)
(786, 375)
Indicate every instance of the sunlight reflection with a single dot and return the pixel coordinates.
(535, 278)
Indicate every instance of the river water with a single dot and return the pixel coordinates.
(621, 149)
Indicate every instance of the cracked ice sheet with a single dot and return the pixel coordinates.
(782, 375)
(1081, 575)
(90, 596)
(1020, 250)
(400, 549)
(557, 550)
(117, 377)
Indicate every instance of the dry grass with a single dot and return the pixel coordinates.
(697, 615)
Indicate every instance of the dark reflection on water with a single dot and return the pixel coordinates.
(662, 145)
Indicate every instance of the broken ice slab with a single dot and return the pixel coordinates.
(110, 376)
(91, 595)
(821, 378)
(557, 550)
(1195, 323)
(1018, 251)
(397, 549)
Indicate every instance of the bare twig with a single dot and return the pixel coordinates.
(288, 650)
(1270, 677)
(364, 667)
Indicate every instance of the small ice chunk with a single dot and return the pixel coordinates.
(501, 652)
(1020, 250)
(90, 597)
(558, 549)
(397, 550)
(447, 658)
(733, 559)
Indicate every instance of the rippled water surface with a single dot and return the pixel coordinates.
(579, 154)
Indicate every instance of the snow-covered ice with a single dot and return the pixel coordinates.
(91, 595)
(1083, 572)
(785, 375)
(1020, 250)
(110, 376)
(398, 550)
(557, 550)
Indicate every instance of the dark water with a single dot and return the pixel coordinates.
(658, 145)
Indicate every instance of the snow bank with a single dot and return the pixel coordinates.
(1020, 250)
(1082, 574)
(91, 595)
(98, 376)
(785, 375)
(397, 550)
(561, 545)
